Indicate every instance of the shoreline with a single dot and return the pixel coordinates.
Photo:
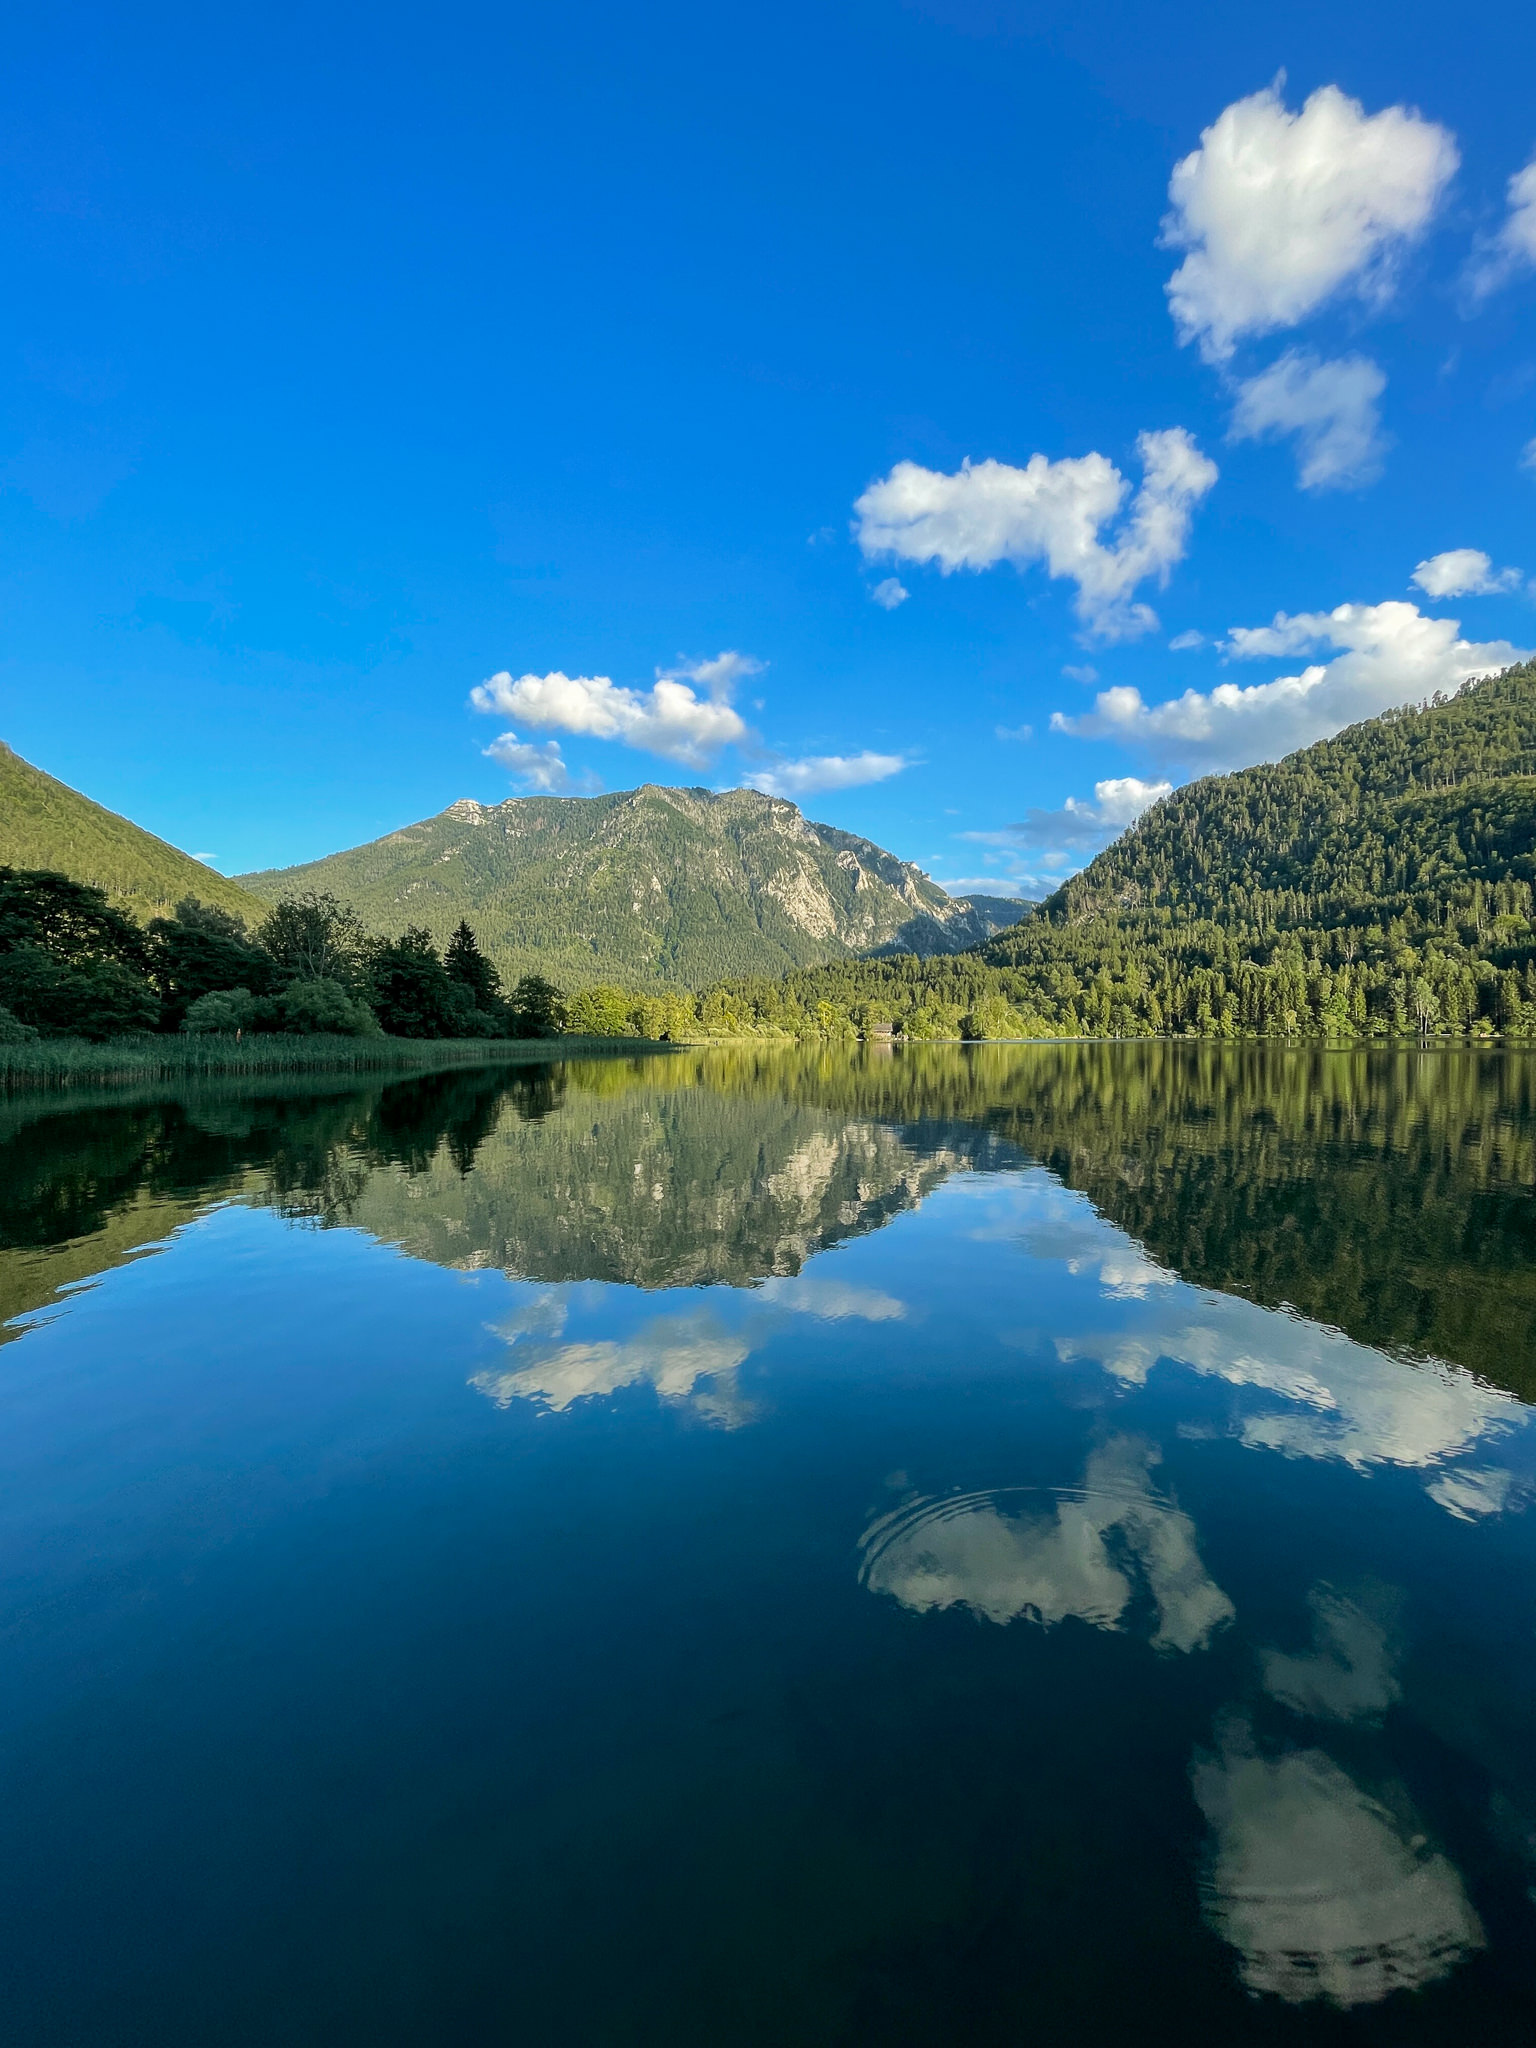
(55, 1063)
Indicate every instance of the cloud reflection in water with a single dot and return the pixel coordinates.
(1324, 1891)
(985, 1551)
(692, 1356)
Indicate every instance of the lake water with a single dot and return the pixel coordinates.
(1015, 1545)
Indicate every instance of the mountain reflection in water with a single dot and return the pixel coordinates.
(761, 1544)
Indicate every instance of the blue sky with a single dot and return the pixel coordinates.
(363, 362)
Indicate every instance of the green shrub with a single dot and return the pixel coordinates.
(223, 1009)
(323, 1005)
(600, 1013)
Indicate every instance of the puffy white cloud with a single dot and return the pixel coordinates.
(538, 769)
(670, 719)
(1330, 407)
(1325, 1892)
(1281, 211)
(1182, 643)
(978, 1551)
(824, 771)
(1463, 572)
(890, 593)
(1513, 248)
(1052, 512)
(1389, 654)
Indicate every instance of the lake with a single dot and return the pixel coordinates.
(950, 1545)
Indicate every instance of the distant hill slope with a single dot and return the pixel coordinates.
(1353, 830)
(45, 824)
(648, 887)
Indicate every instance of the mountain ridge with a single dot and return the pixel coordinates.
(656, 886)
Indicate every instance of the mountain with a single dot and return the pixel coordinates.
(649, 887)
(1378, 884)
(45, 824)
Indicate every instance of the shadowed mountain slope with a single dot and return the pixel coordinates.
(45, 824)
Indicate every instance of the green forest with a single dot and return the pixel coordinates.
(1377, 885)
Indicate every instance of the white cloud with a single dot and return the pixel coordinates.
(1181, 643)
(890, 593)
(1079, 826)
(538, 769)
(1464, 572)
(824, 771)
(718, 674)
(1331, 408)
(1014, 732)
(1528, 456)
(1390, 654)
(1083, 672)
(670, 719)
(1281, 211)
(979, 1551)
(1325, 1892)
(1513, 248)
(1017, 886)
(1052, 512)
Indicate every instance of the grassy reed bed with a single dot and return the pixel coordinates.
(72, 1062)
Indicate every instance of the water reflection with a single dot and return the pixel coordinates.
(1342, 1400)
(1326, 1891)
(1348, 1673)
(1387, 1196)
(1254, 1327)
(677, 1355)
(1086, 1555)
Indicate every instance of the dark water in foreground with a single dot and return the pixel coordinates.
(1025, 1545)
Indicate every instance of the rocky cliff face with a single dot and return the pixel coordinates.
(649, 886)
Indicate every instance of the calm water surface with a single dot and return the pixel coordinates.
(1024, 1545)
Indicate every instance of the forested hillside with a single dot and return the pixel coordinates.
(1377, 884)
(655, 888)
(45, 824)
